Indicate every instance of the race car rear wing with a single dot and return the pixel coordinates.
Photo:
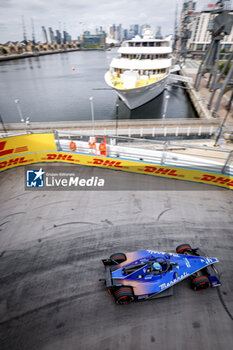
(108, 264)
(108, 276)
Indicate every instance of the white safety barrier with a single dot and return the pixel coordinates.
(162, 156)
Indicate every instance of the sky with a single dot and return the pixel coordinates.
(77, 15)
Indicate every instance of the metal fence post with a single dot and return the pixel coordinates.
(57, 140)
(226, 163)
(165, 147)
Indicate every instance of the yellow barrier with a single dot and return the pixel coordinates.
(15, 145)
(124, 165)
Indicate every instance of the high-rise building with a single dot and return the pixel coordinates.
(200, 31)
(58, 37)
(118, 33)
(136, 29)
(186, 18)
(158, 34)
(51, 34)
(112, 30)
(143, 27)
(66, 37)
(130, 34)
(44, 35)
(99, 30)
(125, 34)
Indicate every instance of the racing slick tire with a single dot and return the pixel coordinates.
(181, 249)
(200, 283)
(118, 257)
(123, 295)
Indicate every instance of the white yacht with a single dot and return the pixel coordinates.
(141, 71)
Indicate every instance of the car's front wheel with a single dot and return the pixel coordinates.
(182, 248)
(123, 295)
(200, 283)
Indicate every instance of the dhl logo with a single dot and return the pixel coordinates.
(13, 162)
(102, 162)
(161, 171)
(217, 179)
(68, 158)
(9, 151)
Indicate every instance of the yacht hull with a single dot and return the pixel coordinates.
(134, 98)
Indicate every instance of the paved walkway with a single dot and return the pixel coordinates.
(199, 148)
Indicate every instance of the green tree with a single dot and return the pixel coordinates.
(221, 65)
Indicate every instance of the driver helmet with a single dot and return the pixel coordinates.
(157, 266)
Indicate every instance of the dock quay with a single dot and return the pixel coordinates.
(201, 97)
(29, 54)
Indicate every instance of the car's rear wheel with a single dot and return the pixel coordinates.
(123, 295)
(118, 257)
(200, 283)
(182, 248)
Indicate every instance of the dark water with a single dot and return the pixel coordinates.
(49, 90)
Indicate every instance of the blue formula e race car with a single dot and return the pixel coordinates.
(149, 274)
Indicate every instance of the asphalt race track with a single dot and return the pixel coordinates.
(51, 245)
